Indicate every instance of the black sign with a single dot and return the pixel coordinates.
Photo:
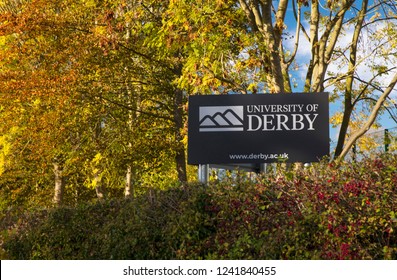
(258, 128)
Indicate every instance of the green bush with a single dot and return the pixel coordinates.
(322, 212)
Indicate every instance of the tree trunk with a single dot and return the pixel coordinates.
(349, 104)
(259, 14)
(59, 184)
(180, 156)
(180, 160)
(323, 48)
(129, 189)
(99, 189)
(371, 119)
(343, 128)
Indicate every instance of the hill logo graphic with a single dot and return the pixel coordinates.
(221, 118)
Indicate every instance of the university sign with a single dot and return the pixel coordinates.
(260, 128)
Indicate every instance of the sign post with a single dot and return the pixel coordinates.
(257, 129)
(203, 173)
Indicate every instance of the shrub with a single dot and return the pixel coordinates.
(322, 212)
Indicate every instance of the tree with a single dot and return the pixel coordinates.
(37, 85)
(93, 94)
(40, 75)
(327, 28)
(110, 103)
(277, 53)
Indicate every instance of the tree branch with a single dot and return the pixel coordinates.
(384, 106)
(371, 119)
(297, 33)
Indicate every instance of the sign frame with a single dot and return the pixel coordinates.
(258, 128)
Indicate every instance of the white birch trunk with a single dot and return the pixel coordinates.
(59, 184)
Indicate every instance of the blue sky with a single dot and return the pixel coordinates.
(303, 57)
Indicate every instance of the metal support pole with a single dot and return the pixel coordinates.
(263, 168)
(386, 140)
(203, 173)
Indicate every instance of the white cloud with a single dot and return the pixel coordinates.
(369, 54)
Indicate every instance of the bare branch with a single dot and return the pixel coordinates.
(296, 44)
(371, 119)
(384, 106)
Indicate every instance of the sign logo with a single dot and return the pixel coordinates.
(221, 118)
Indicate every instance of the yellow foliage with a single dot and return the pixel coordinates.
(2, 40)
(4, 151)
(94, 169)
(367, 143)
(97, 159)
(280, 25)
(37, 102)
(393, 146)
(99, 30)
(89, 3)
(6, 148)
(336, 119)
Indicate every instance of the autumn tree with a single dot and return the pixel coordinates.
(93, 94)
(329, 24)
(343, 36)
(141, 83)
(121, 112)
(35, 92)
